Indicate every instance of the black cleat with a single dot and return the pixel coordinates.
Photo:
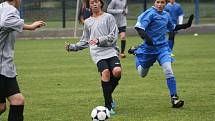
(132, 49)
(176, 103)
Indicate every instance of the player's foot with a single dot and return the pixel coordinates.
(132, 49)
(176, 103)
(112, 112)
(122, 55)
(172, 55)
(113, 104)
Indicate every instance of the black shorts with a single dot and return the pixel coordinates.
(109, 63)
(8, 87)
(122, 29)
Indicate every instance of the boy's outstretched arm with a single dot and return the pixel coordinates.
(186, 25)
(34, 25)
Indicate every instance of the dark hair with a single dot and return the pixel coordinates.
(101, 1)
(1, 1)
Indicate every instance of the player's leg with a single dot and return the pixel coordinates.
(16, 100)
(103, 68)
(143, 63)
(122, 32)
(2, 95)
(116, 70)
(171, 83)
(165, 62)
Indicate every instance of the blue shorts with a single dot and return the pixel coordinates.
(148, 56)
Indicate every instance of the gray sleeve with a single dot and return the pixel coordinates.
(111, 38)
(12, 21)
(112, 9)
(83, 43)
(126, 9)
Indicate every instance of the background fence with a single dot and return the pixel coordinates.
(52, 10)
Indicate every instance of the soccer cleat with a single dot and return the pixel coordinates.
(122, 55)
(176, 103)
(112, 112)
(172, 58)
(172, 55)
(113, 105)
(132, 49)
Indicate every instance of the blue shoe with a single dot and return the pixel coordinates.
(113, 105)
(112, 112)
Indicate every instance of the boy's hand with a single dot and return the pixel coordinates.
(38, 24)
(93, 42)
(33, 26)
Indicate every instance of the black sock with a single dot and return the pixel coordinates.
(114, 82)
(123, 44)
(106, 86)
(16, 113)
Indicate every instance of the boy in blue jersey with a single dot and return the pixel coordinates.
(152, 26)
(176, 13)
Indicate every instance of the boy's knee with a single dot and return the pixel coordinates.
(142, 72)
(117, 72)
(106, 75)
(17, 99)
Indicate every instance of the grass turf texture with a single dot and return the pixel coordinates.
(62, 86)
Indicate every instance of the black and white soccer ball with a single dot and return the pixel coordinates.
(100, 113)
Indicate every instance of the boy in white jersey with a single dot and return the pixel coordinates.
(100, 34)
(10, 24)
(119, 9)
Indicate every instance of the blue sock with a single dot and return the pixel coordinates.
(170, 42)
(171, 83)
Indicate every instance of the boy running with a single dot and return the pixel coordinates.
(10, 24)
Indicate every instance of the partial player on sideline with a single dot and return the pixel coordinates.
(10, 24)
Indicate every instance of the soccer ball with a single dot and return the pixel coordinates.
(100, 113)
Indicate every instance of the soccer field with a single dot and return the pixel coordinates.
(62, 86)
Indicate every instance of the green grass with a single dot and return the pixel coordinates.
(62, 86)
